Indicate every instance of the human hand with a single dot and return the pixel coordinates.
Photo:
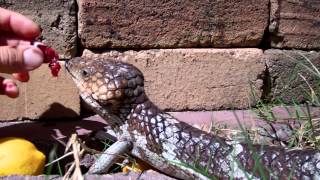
(17, 55)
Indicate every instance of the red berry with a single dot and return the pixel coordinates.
(55, 68)
(51, 54)
(51, 57)
(43, 48)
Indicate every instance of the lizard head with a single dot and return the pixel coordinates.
(106, 84)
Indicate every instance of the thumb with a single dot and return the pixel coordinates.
(20, 58)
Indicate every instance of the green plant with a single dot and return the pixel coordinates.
(52, 156)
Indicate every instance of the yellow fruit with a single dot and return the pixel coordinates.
(137, 167)
(20, 157)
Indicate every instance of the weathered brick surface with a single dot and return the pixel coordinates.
(180, 79)
(167, 24)
(57, 20)
(42, 97)
(289, 74)
(295, 24)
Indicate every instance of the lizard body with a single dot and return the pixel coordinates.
(115, 91)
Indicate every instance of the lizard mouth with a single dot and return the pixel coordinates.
(88, 99)
(67, 65)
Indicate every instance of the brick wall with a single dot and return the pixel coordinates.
(196, 55)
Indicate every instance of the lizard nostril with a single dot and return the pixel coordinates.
(67, 64)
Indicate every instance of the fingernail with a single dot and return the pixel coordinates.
(32, 59)
(11, 90)
(10, 86)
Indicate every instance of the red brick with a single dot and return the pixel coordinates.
(295, 24)
(181, 79)
(168, 24)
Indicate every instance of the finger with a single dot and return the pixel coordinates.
(9, 88)
(9, 39)
(22, 76)
(18, 24)
(19, 59)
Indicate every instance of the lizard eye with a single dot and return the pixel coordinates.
(85, 72)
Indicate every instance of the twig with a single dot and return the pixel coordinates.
(58, 159)
(77, 175)
(77, 152)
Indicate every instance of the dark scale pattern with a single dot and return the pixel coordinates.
(279, 162)
(201, 150)
(144, 121)
(115, 91)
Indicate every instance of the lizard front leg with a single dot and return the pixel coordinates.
(110, 156)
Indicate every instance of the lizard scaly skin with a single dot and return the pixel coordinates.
(115, 91)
